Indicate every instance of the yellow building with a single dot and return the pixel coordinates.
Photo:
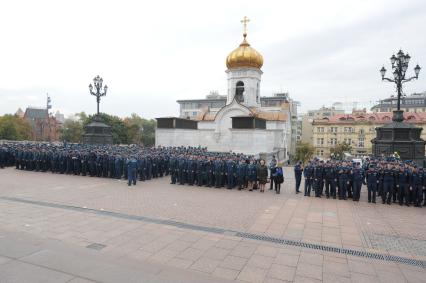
(356, 129)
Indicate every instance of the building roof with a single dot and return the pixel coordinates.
(19, 113)
(36, 113)
(269, 115)
(372, 118)
(223, 99)
(413, 100)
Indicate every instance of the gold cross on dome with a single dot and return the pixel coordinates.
(244, 21)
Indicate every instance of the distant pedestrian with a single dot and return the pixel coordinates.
(298, 175)
(278, 178)
(251, 175)
(262, 175)
(132, 169)
(272, 167)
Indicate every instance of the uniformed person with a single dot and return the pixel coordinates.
(357, 179)
(298, 175)
(372, 180)
(308, 174)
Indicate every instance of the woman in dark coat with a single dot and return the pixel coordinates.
(262, 175)
(251, 175)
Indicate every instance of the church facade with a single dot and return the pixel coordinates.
(242, 125)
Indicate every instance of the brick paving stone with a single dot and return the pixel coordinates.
(290, 250)
(390, 277)
(288, 260)
(361, 267)
(244, 250)
(180, 263)
(311, 258)
(203, 244)
(301, 279)
(363, 278)
(205, 264)
(260, 261)
(282, 272)
(273, 280)
(333, 278)
(226, 273)
(139, 254)
(190, 254)
(179, 245)
(266, 250)
(154, 247)
(309, 270)
(413, 274)
(252, 274)
(234, 262)
(4, 259)
(80, 280)
(191, 237)
(216, 253)
(336, 268)
(163, 256)
(227, 244)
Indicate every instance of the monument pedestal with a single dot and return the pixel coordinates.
(400, 137)
(97, 132)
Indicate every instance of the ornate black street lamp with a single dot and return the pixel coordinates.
(399, 69)
(399, 137)
(97, 82)
(97, 132)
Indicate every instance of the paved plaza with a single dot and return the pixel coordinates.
(60, 228)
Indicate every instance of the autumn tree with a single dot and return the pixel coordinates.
(15, 128)
(304, 152)
(339, 149)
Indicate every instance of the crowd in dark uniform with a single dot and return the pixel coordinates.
(185, 165)
(229, 170)
(108, 161)
(392, 180)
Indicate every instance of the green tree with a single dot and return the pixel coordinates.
(14, 128)
(71, 131)
(339, 149)
(304, 152)
(140, 130)
(133, 129)
(148, 133)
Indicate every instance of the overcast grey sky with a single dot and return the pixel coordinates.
(152, 53)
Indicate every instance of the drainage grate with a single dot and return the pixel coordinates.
(245, 235)
(96, 246)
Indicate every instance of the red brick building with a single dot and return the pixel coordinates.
(44, 126)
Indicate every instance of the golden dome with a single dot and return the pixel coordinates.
(244, 56)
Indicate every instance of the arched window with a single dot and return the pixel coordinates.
(239, 91)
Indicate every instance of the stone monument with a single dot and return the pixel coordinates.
(399, 137)
(97, 132)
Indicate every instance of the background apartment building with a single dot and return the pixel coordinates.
(356, 129)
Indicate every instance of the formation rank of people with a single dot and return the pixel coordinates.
(229, 170)
(185, 165)
(130, 162)
(391, 180)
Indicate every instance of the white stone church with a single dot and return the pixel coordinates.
(242, 125)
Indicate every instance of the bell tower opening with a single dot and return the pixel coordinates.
(239, 92)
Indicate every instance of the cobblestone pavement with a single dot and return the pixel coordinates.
(381, 229)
